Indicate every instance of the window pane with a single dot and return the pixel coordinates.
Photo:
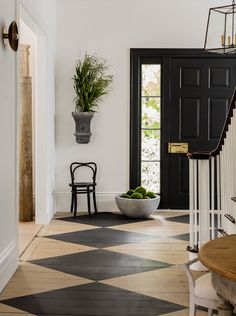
(150, 112)
(150, 145)
(151, 75)
(151, 176)
(151, 125)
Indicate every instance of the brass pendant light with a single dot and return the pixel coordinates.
(221, 30)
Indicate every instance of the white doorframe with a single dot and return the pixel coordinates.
(43, 209)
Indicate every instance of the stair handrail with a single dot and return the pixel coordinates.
(200, 155)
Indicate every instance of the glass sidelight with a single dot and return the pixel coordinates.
(151, 126)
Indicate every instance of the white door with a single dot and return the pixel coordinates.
(8, 149)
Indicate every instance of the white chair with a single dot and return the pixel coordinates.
(201, 291)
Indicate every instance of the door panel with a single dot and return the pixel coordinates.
(201, 89)
(189, 110)
(190, 77)
(217, 109)
(219, 77)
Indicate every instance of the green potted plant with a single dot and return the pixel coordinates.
(91, 83)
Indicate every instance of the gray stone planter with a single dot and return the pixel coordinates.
(82, 126)
(139, 208)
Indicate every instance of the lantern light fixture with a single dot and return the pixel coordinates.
(221, 30)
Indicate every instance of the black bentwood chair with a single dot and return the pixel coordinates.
(82, 187)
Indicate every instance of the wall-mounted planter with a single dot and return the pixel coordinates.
(82, 126)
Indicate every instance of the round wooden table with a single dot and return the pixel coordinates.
(219, 256)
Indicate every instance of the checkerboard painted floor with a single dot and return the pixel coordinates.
(106, 265)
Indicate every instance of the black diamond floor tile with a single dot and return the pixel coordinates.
(93, 299)
(184, 237)
(105, 219)
(100, 264)
(101, 237)
(179, 219)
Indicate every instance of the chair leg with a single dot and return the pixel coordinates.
(72, 202)
(75, 203)
(225, 309)
(88, 200)
(192, 309)
(210, 312)
(94, 202)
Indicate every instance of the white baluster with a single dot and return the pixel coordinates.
(212, 228)
(229, 177)
(204, 202)
(226, 180)
(219, 224)
(191, 202)
(196, 202)
(222, 186)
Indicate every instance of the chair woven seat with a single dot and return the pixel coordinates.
(81, 184)
(204, 288)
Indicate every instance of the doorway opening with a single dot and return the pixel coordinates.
(27, 124)
(27, 136)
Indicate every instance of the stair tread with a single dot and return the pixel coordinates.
(222, 232)
(230, 218)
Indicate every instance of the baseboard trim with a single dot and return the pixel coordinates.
(8, 263)
(44, 218)
(105, 201)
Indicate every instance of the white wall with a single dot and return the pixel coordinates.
(110, 28)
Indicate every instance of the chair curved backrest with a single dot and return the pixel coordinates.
(76, 165)
(186, 267)
(201, 291)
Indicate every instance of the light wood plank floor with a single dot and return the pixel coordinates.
(106, 265)
(27, 232)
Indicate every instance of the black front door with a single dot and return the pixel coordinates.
(196, 92)
(201, 89)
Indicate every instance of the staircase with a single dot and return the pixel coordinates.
(212, 187)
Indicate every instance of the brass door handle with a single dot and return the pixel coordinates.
(177, 148)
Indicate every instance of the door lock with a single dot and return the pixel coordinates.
(177, 148)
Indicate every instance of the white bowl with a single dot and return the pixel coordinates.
(137, 208)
